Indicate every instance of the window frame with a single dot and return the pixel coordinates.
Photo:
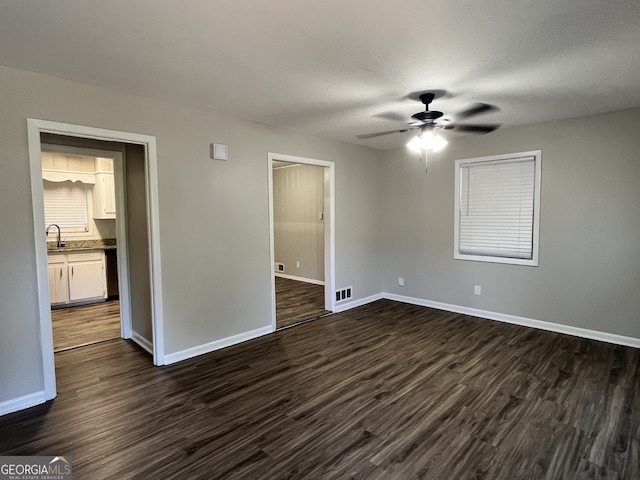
(76, 231)
(533, 261)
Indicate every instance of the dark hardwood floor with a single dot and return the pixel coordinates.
(297, 301)
(383, 391)
(86, 324)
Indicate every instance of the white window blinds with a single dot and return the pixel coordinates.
(65, 204)
(496, 208)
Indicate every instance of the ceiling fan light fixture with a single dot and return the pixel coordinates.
(438, 143)
(427, 141)
(415, 144)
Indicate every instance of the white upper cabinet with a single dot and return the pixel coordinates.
(104, 196)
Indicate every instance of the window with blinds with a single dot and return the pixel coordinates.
(65, 204)
(497, 208)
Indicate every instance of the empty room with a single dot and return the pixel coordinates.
(375, 240)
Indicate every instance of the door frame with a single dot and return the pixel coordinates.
(34, 128)
(329, 228)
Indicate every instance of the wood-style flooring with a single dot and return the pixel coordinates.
(383, 391)
(298, 301)
(86, 324)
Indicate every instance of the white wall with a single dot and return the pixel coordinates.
(214, 221)
(589, 273)
(298, 230)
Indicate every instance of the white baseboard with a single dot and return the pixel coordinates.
(143, 342)
(299, 279)
(341, 307)
(216, 345)
(523, 321)
(20, 403)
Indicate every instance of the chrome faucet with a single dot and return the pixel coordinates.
(46, 233)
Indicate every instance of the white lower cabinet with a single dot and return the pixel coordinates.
(58, 279)
(77, 277)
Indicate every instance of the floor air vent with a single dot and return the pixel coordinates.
(344, 294)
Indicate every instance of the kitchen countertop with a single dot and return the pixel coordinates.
(82, 246)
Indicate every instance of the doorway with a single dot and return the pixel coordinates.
(302, 212)
(79, 187)
(141, 149)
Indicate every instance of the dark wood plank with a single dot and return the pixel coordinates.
(298, 301)
(383, 391)
(86, 324)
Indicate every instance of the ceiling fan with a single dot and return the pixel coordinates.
(430, 120)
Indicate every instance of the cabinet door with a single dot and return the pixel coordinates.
(86, 280)
(109, 191)
(104, 196)
(58, 284)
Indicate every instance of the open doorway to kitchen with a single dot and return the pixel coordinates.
(136, 235)
(301, 213)
(79, 190)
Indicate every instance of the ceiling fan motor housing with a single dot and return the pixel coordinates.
(428, 116)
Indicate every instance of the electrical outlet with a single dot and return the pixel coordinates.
(298, 264)
(401, 281)
(477, 290)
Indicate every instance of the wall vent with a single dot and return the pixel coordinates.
(279, 267)
(344, 294)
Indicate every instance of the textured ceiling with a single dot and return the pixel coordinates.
(340, 68)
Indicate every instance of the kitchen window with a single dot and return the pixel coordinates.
(497, 208)
(65, 204)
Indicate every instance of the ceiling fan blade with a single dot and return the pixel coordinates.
(394, 116)
(364, 136)
(473, 128)
(477, 109)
